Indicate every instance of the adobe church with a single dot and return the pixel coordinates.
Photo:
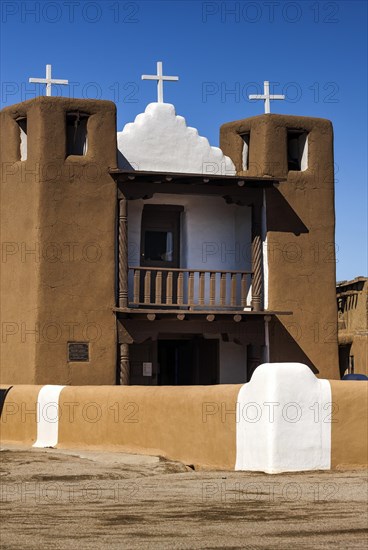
(149, 257)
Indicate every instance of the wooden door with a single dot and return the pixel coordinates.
(207, 364)
(139, 354)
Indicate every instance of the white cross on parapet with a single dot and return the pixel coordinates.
(160, 81)
(48, 80)
(266, 96)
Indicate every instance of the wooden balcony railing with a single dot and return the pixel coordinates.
(191, 288)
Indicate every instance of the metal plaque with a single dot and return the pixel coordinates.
(78, 351)
(147, 369)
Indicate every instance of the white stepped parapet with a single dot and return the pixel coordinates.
(160, 141)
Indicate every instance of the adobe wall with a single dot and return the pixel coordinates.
(20, 272)
(184, 423)
(65, 209)
(284, 419)
(19, 415)
(300, 235)
(349, 423)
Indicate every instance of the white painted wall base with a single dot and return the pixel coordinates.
(284, 420)
(48, 416)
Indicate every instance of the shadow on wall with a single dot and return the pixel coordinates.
(281, 216)
(287, 349)
(123, 163)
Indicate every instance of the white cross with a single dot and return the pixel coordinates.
(48, 80)
(160, 81)
(266, 96)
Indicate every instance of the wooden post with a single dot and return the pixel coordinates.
(233, 290)
(158, 288)
(223, 289)
(124, 365)
(191, 288)
(169, 288)
(212, 289)
(147, 287)
(136, 286)
(123, 253)
(257, 257)
(180, 288)
(201, 289)
(243, 287)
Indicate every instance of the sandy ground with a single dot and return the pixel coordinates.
(88, 500)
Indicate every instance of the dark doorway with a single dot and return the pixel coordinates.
(345, 362)
(188, 362)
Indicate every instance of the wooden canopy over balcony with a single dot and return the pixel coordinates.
(142, 184)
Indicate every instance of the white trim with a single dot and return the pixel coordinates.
(48, 416)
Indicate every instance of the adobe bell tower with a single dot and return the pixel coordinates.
(299, 231)
(58, 212)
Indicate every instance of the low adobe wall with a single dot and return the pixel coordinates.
(349, 425)
(284, 419)
(176, 422)
(19, 414)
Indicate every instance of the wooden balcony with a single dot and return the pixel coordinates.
(188, 288)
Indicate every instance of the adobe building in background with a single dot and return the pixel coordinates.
(352, 302)
(150, 257)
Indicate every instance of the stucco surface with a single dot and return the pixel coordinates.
(18, 421)
(63, 209)
(279, 428)
(349, 423)
(160, 140)
(300, 236)
(182, 423)
(297, 430)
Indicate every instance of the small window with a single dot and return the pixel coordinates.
(76, 133)
(160, 235)
(22, 124)
(297, 150)
(245, 155)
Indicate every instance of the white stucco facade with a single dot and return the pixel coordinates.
(159, 140)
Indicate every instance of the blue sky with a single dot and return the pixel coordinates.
(313, 52)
